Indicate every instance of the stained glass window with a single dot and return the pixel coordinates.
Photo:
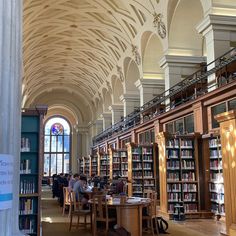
(57, 146)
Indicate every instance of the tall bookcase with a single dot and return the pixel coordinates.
(31, 170)
(104, 164)
(94, 164)
(87, 166)
(118, 163)
(216, 182)
(81, 165)
(141, 168)
(179, 173)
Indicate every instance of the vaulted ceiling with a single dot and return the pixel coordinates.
(74, 45)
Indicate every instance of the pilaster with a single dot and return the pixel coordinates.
(178, 68)
(149, 88)
(107, 120)
(117, 112)
(10, 96)
(130, 102)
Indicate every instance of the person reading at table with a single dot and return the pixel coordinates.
(80, 191)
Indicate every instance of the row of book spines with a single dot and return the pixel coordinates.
(190, 176)
(175, 153)
(146, 173)
(188, 207)
(27, 225)
(216, 177)
(179, 196)
(184, 164)
(27, 187)
(218, 188)
(181, 187)
(215, 154)
(217, 208)
(217, 197)
(214, 142)
(25, 167)
(26, 206)
(182, 143)
(143, 150)
(216, 164)
(25, 144)
(140, 166)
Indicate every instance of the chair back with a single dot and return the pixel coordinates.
(76, 206)
(152, 208)
(148, 193)
(66, 195)
(100, 206)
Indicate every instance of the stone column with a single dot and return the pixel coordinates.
(98, 126)
(10, 100)
(74, 150)
(117, 111)
(149, 88)
(83, 141)
(107, 120)
(178, 68)
(219, 31)
(130, 101)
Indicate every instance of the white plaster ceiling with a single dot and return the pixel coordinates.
(76, 42)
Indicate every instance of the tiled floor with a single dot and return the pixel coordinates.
(56, 224)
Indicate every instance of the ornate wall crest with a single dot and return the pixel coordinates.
(157, 22)
(136, 54)
(120, 73)
(109, 87)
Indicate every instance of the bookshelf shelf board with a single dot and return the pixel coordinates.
(29, 195)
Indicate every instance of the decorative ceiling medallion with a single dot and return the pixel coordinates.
(136, 54)
(158, 23)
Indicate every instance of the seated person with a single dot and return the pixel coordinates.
(79, 189)
(120, 186)
(72, 181)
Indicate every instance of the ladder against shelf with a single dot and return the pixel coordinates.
(179, 174)
(141, 168)
(32, 139)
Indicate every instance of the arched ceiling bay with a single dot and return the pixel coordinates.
(77, 42)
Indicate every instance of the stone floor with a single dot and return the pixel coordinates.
(54, 224)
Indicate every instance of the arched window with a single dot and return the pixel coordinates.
(57, 134)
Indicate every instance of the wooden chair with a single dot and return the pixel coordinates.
(100, 213)
(152, 212)
(77, 210)
(148, 193)
(66, 201)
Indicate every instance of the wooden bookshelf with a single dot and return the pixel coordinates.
(104, 164)
(216, 181)
(179, 173)
(94, 164)
(87, 166)
(81, 165)
(32, 139)
(118, 163)
(141, 168)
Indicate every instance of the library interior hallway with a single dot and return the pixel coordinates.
(53, 223)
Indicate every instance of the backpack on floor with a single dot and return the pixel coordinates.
(119, 232)
(162, 225)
